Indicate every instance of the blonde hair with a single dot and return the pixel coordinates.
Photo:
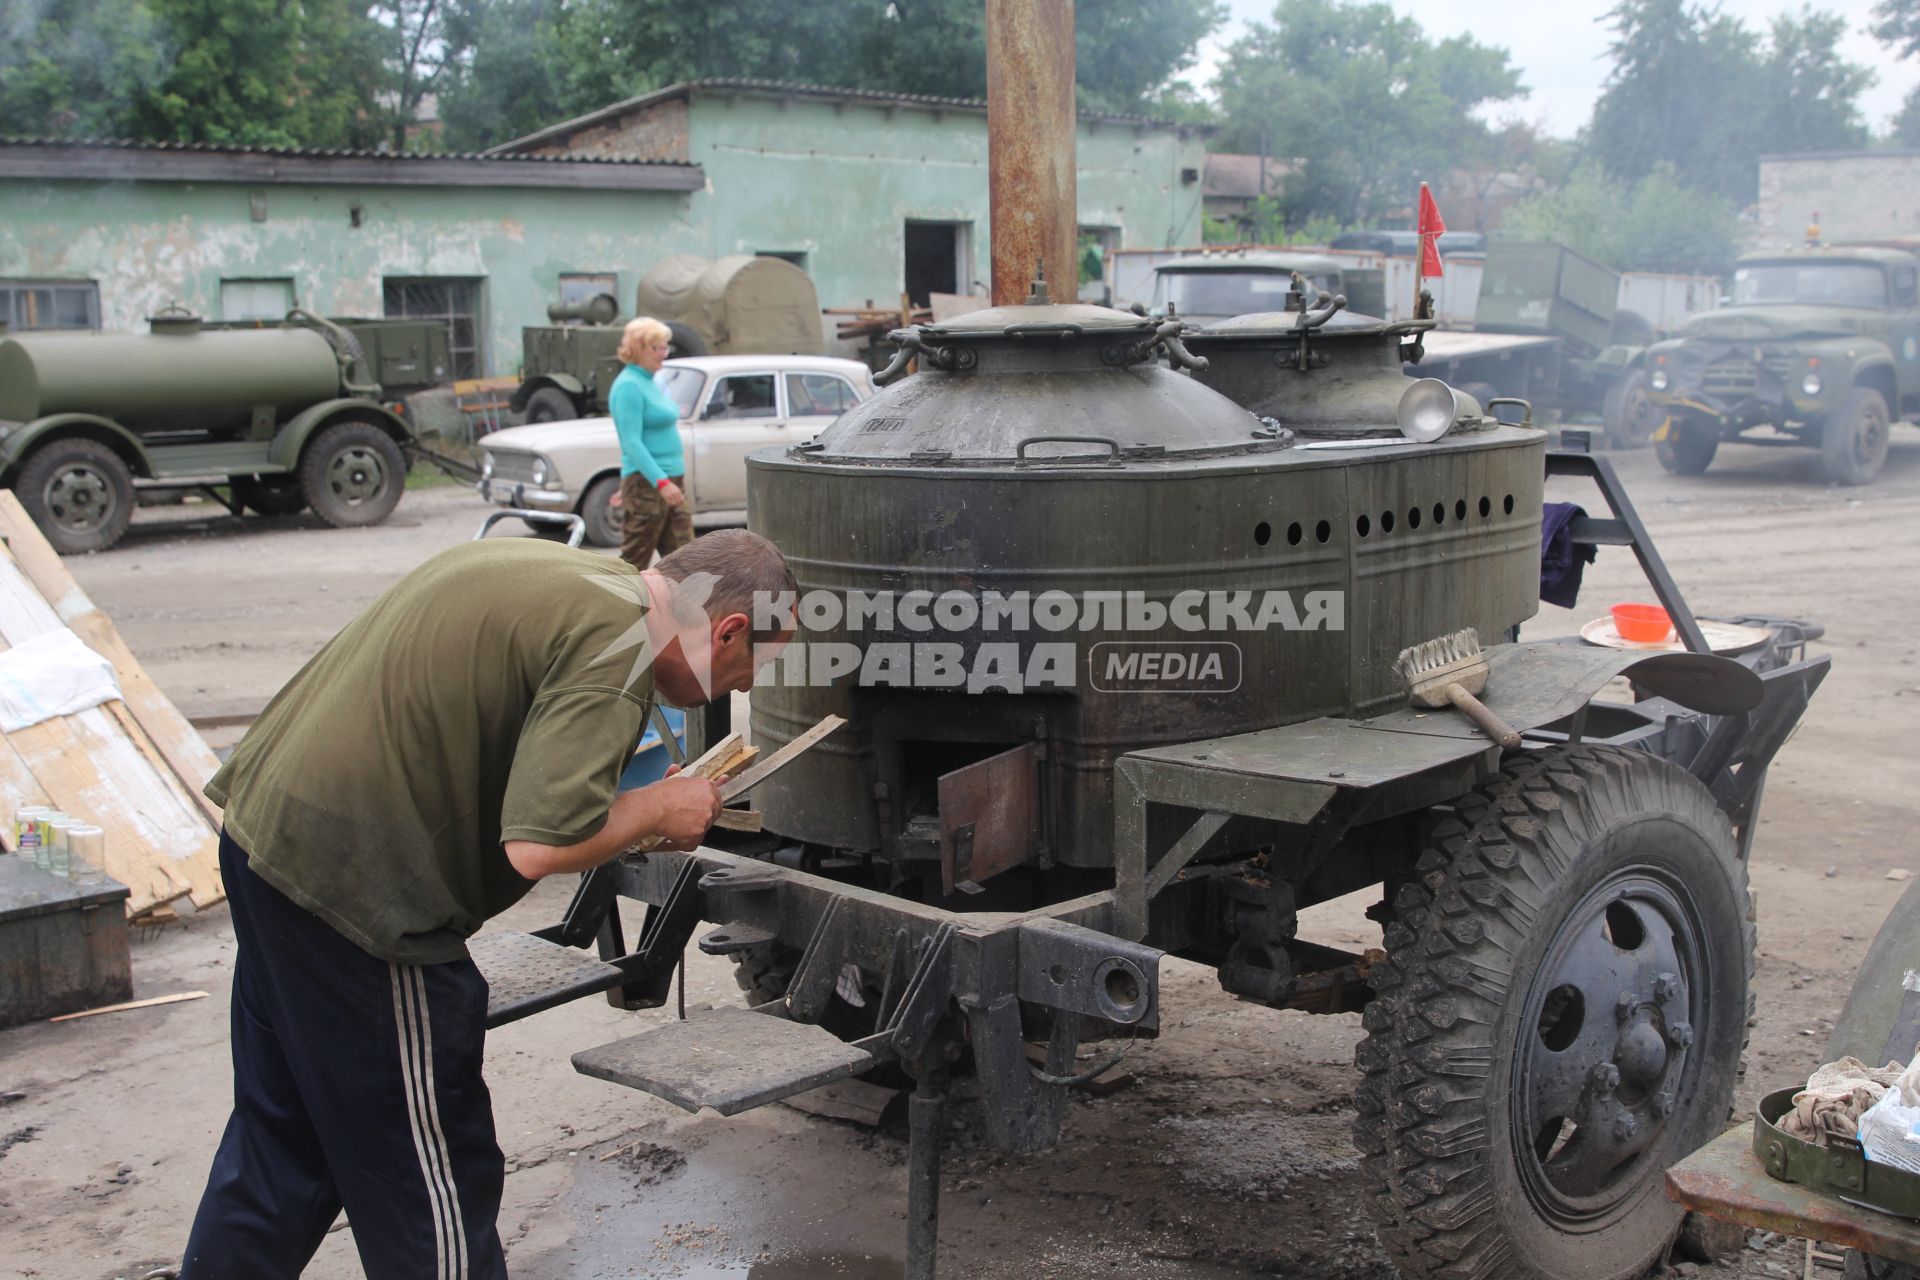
(641, 331)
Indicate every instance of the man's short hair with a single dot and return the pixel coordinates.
(745, 568)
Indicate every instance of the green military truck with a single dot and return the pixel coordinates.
(1816, 347)
(737, 305)
(272, 420)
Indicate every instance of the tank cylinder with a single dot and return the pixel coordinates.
(138, 378)
(1031, 120)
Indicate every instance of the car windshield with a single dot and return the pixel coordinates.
(1833, 284)
(683, 384)
(1226, 293)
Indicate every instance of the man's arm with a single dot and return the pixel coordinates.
(677, 809)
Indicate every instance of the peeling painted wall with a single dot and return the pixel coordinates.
(835, 183)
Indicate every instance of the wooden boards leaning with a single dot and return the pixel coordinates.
(134, 767)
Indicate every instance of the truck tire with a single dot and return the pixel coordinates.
(1687, 448)
(79, 492)
(550, 404)
(270, 495)
(1627, 412)
(1559, 1018)
(352, 474)
(1853, 444)
(685, 342)
(603, 521)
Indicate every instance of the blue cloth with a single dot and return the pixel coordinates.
(1562, 560)
(648, 424)
(356, 1083)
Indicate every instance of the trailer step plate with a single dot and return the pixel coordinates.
(729, 1059)
(526, 975)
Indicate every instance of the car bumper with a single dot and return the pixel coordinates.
(520, 494)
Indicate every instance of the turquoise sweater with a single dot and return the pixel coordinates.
(648, 423)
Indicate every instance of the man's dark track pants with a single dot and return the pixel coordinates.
(356, 1083)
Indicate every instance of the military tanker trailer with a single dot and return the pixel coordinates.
(282, 419)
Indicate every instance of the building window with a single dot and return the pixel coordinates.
(584, 286)
(452, 299)
(50, 304)
(255, 299)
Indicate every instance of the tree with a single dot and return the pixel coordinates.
(1362, 100)
(1699, 91)
(418, 49)
(1896, 24)
(1656, 224)
(73, 68)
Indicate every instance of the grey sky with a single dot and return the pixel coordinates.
(1561, 48)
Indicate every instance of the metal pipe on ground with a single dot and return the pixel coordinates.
(1030, 137)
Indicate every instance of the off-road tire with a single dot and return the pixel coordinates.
(551, 404)
(603, 521)
(79, 492)
(269, 495)
(684, 342)
(1627, 411)
(1512, 877)
(1688, 448)
(352, 474)
(1853, 444)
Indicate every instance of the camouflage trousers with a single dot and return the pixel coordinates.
(648, 524)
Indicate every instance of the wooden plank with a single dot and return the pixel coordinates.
(157, 729)
(721, 750)
(780, 759)
(148, 1003)
(739, 820)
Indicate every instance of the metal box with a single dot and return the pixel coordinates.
(1547, 289)
(63, 946)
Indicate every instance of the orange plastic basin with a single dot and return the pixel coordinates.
(1647, 623)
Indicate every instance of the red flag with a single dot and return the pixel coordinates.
(1431, 228)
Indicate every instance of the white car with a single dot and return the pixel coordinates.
(729, 407)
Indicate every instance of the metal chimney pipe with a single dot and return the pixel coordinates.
(1030, 147)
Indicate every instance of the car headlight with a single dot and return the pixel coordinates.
(1810, 384)
(540, 470)
(486, 466)
(1659, 380)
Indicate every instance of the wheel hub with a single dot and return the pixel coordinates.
(356, 475)
(79, 499)
(1612, 1011)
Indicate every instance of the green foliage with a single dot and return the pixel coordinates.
(1698, 90)
(73, 68)
(1655, 224)
(1904, 129)
(1362, 99)
(1896, 24)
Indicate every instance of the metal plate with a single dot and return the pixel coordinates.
(526, 975)
(989, 817)
(729, 1059)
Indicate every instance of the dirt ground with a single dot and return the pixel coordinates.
(1225, 1156)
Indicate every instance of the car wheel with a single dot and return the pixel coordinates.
(1559, 1018)
(352, 474)
(270, 495)
(1685, 448)
(602, 517)
(550, 404)
(79, 492)
(1853, 444)
(1628, 412)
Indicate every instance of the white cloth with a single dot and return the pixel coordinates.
(53, 674)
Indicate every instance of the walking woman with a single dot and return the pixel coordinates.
(654, 512)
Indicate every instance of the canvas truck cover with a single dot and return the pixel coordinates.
(741, 304)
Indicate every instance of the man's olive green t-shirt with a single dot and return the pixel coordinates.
(494, 693)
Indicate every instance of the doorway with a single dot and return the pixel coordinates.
(939, 260)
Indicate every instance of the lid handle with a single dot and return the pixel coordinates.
(1020, 458)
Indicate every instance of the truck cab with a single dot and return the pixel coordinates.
(1818, 347)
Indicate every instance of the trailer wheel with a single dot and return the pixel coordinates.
(79, 492)
(684, 342)
(603, 520)
(352, 474)
(1686, 448)
(270, 495)
(1559, 1018)
(1628, 412)
(550, 404)
(1853, 444)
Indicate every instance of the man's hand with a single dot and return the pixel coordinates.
(671, 492)
(675, 810)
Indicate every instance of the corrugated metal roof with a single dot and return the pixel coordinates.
(319, 153)
(795, 89)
